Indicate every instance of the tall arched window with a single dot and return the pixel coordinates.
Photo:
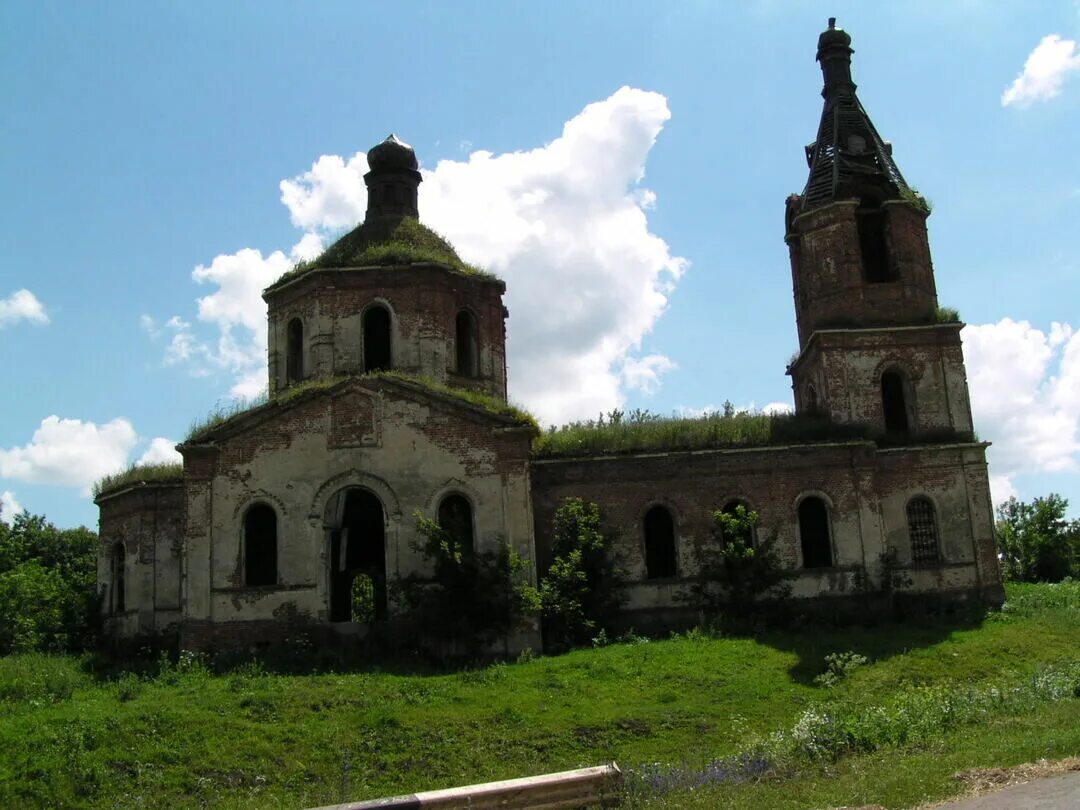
(894, 402)
(659, 543)
(467, 344)
(294, 352)
(922, 529)
(455, 518)
(875, 253)
(119, 564)
(260, 546)
(814, 533)
(377, 339)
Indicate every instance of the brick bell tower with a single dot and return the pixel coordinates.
(390, 295)
(873, 346)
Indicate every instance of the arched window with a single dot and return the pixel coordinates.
(894, 402)
(260, 546)
(119, 564)
(811, 399)
(294, 352)
(814, 533)
(731, 508)
(659, 543)
(467, 344)
(922, 530)
(376, 339)
(455, 518)
(875, 253)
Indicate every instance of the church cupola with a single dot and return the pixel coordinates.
(393, 180)
(389, 295)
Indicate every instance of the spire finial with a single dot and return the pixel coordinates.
(832, 23)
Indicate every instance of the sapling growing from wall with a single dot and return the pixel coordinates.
(738, 564)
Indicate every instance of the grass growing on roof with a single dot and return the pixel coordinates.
(387, 241)
(139, 473)
(226, 412)
(637, 431)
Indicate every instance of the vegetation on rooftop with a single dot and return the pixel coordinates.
(946, 315)
(226, 412)
(386, 242)
(912, 195)
(139, 473)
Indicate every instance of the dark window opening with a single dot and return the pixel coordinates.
(468, 359)
(922, 530)
(260, 546)
(357, 558)
(294, 355)
(731, 508)
(811, 399)
(814, 533)
(376, 339)
(894, 403)
(455, 518)
(659, 543)
(119, 586)
(875, 251)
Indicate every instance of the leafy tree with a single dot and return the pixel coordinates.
(48, 581)
(472, 598)
(580, 590)
(733, 572)
(1036, 542)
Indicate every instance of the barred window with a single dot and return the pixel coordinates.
(922, 529)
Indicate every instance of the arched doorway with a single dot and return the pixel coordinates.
(357, 576)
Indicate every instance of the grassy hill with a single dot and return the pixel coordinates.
(701, 720)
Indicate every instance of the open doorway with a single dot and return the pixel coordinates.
(357, 557)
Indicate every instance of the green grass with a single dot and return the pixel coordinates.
(225, 413)
(387, 242)
(150, 473)
(645, 431)
(183, 737)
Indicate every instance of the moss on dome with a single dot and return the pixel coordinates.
(387, 242)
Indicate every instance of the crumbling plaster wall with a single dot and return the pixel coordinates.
(845, 367)
(408, 452)
(423, 303)
(148, 519)
(867, 492)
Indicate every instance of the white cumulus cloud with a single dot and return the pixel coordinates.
(9, 507)
(22, 305)
(1044, 72)
(1025, 398)
(160, 451)
(70, 452)
(564, 224)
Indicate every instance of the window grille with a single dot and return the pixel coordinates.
(922, 529)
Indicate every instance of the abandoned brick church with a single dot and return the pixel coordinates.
(387, 397)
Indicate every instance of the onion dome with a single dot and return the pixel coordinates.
(392, 155)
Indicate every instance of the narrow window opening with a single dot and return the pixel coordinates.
(811, 399)
(875, 251)
(455, 518)
(294, 362)
(260, 546)
(659, 543)
(894, 403)
(468, 360)
(814, 533)
(376, 339)
(357, 558)
(119, 585)
(922, 530)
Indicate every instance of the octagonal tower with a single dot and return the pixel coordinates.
(390, 295)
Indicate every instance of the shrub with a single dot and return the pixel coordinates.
(838, 666)
(733, 571)
(580, 591)
(472, 599)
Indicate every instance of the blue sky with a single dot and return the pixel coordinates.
(623, 165)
